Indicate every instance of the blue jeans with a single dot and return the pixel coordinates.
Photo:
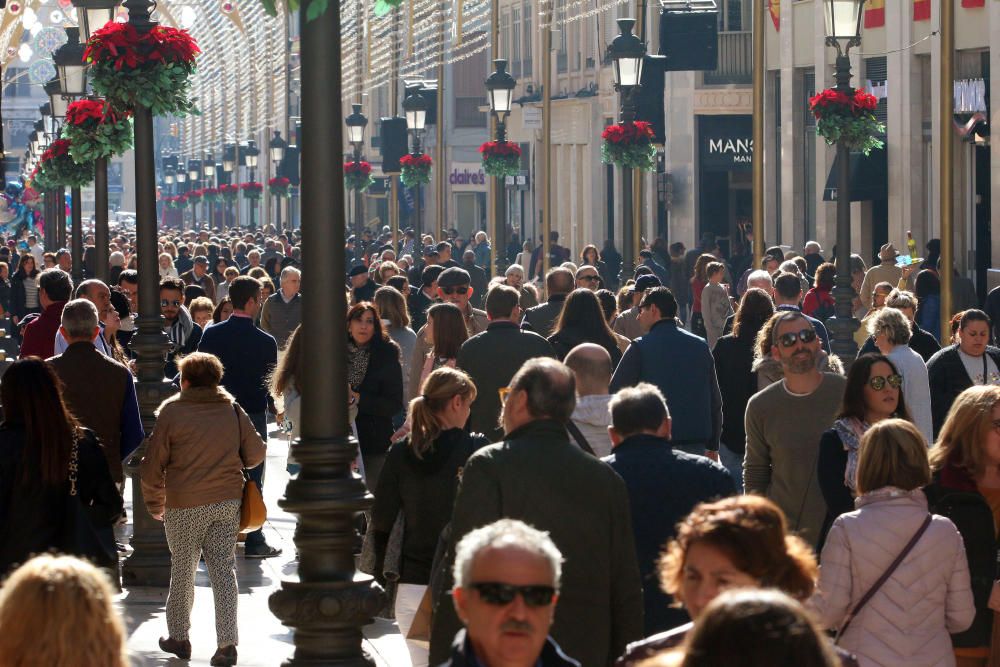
(733, 462)
(259, 421)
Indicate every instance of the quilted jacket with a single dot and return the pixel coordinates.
(928, 596)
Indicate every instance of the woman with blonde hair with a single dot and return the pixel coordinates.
(966, 489)
(192, 480)
(59, 611)
(874, 555)
(419, 481)
(737, 542)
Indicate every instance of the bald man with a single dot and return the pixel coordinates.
(591, 365)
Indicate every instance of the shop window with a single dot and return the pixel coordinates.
(467, 113)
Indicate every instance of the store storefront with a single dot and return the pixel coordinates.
(468, 184)
(725, 167)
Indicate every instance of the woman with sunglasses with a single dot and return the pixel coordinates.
(872, 394)
(965, 462)
(971, 361)
(418, 483)
(891, 330)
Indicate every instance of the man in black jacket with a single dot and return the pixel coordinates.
(664, 485)
(424, 296)
(541, 319)
(480, 278)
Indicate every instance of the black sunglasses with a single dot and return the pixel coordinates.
(589, 278)
(462, 289)
(503, 594)
(878, 382)
(789, 339)
(167, 302)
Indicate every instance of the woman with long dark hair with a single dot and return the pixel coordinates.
(419, 482)
(445, 332)
(24, 289)
(873, 392)
(591, 257)
(733, 355)
(39, 442)
(375, 385)
(582, 321)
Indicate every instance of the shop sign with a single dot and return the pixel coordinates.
(467, 176)
(726, 143)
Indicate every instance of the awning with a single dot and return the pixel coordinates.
(869, 177)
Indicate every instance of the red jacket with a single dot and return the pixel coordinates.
(40, 333)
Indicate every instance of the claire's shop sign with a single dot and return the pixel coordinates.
(466, 176)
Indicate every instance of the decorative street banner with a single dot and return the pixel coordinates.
(921, 10)
(875, 14)
(774, 8)
(973, 4)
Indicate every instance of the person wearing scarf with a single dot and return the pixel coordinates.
(183, 332)
(873, 393)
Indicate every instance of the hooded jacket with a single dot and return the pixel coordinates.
(592, 417)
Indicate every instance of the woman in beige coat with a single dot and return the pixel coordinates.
(192, 480)
(908, 619)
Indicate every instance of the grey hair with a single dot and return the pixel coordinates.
(638, 409)
(901, 299)
(893, 322)
(288, 271)
(788, 265)
(500, 534)
(79, 318)
(514, 268)
(760, 276)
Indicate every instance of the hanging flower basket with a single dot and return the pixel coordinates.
(229, 192)
(851, 119)
(151, 69)
(210, 195)
(31, 197)
(358, 175)
(629, 146)
(178, 202)
(60, 170)
(415, 169)
(95, 130)
(252, 190)
(194, 196)
(279, 186)
(501, 158)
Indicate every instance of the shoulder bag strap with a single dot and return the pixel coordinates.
(74, 466)
(578, 436)
(885, 577)
(239, 443)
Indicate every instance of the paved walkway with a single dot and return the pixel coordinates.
(264, 641)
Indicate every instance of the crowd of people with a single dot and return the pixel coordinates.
(681, 472)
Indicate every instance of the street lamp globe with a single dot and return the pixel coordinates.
(415, 107)
(627, 52)
(277, 147)
(500, 89)
(229, 157)
(842, 23)
(250, 154)
(208, 165)
(95, 14)
(194, 169)
(168, 176)
(70, 67)
(356, 123)
(181, 173)
(57, 103)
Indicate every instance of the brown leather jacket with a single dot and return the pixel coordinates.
(195, 455)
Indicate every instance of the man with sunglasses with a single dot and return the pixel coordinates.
(784, 423)
(507, 577)
(539, 476)
(184, 333)
(588, 278)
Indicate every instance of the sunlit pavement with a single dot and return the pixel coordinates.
(264, 641)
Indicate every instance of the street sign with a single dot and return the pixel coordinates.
(531, 118)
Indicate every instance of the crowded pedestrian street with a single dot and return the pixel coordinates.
(499, 333)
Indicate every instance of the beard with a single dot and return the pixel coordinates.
(800, 362)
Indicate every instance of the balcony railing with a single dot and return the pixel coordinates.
(735, 60)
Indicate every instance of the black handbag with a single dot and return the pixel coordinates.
(86, 533)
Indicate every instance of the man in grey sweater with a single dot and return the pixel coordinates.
(784, 423)
(281, 313)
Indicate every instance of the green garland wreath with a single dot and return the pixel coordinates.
(95, 131)
(60, 170)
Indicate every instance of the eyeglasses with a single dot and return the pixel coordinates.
(789, 339)
(167, 302)
(503, 594)
(878, 382)
(592, 279)
(454, 290)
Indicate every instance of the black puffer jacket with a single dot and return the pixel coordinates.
(737, 383)
(948, 378)
(423, 489)
(381, 398)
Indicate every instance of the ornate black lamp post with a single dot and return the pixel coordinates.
(276, 149)
(500, 89)
(208, 170)
(842, 22)
(627, 52)
(328, 603)
(149, 563)
(194, 177)
(72, 74)
(356, 123)
(250, 153)
(229, 156)
(415, 108)
(182, 187)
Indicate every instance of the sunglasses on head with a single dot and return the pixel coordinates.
(461, 289)
(805, 335)
(167, 302)
(878, 382)
(503, 594)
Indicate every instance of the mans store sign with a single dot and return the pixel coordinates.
(726, 143)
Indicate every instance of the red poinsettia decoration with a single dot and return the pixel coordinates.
(501, 158)
(279, 186)
(415, 169)
(252, 190)
(410, 160)
(363, 168)
(81, 111)
(358, 175)
(847, 118)
(126, 47)
(194, 196)
(56, 149)
(625, 134)
(629, 145)
(229, 191)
